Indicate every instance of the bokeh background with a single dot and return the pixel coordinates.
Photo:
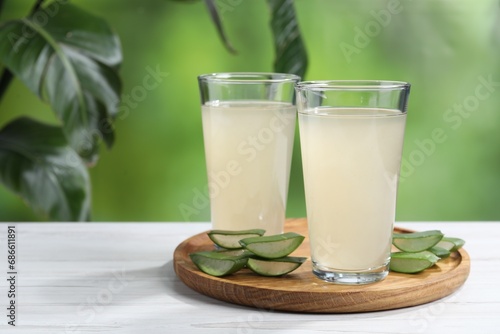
(448, 50)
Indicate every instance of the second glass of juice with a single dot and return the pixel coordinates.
(248, 130)
(351, 136)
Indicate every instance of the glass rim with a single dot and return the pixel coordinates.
(249, 77)
(352, 85)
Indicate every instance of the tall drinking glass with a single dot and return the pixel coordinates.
(351, 136)
(248, 130)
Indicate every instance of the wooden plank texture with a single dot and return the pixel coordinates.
(70, 275)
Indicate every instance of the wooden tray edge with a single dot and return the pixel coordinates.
(281, 300)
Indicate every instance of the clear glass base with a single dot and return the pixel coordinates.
(351, 277)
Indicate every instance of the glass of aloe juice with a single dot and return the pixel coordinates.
(248, 130)
(351, 136)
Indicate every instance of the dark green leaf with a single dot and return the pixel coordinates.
(214, 14)
(37, 164)
(69, 58)
(291, 55)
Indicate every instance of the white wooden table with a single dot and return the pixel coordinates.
(119, 278)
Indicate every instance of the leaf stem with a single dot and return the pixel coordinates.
(214, 14)
(1, 5)
(7, 75)
(5, 80)
(37, 6)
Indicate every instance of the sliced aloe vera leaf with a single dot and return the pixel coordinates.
(453, 244)
(410, 263)
(417, 241)
(230, 239)
(235, 252)
(218, 264)
(273, 246)
(275, 267)
(440, 252)
(448, 245)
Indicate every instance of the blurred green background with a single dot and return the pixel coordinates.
(448, 50)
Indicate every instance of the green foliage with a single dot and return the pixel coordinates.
(70, 61)
(290, 52)
(157, 162)
(291, 56)
(37, 164)
(214, 14)
(69, 58)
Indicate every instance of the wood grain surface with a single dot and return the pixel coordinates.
(301, 291)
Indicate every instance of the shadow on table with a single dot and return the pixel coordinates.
(417, 318)
(108, 284)
(92, 295)
(176, 289)
(158, 285)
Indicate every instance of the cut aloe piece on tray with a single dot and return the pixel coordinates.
(273, 246)
(452, 244)
(440, 251)
(218, 264)
(448, 245)
(230, 239)
(235, 252)
(417, 241)
(275, 267)
(411, 263)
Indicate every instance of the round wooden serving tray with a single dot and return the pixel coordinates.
(301, 291)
